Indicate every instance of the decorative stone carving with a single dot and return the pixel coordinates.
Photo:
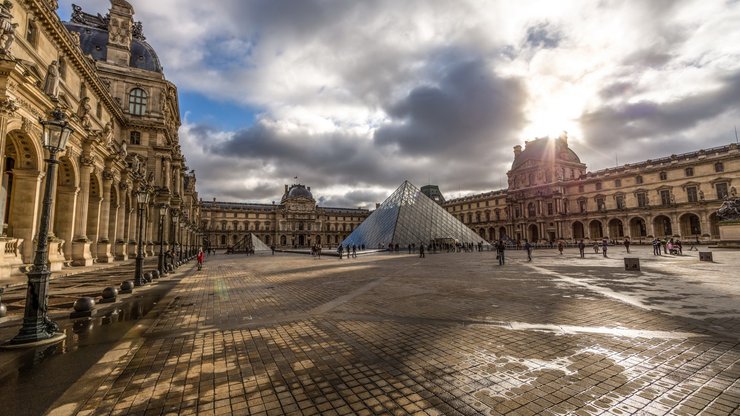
(107, 133)
(7, 106)
(7, 28)
(51, 85)
(87, 160)
(138, 31)
(108, 175)
(730, 209)
(83, 112)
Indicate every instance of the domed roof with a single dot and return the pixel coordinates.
(94, 42)
(301, 191)
(545, 149)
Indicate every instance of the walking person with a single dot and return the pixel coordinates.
(561, 246)
(354, 251)
(582, 249)
(627, 245)
(604, 246)
(421, 251)
(500, 247)
(340, 251)
(528, 249)
(201, 257)
(272, 247)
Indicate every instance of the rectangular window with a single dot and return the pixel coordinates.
(582, 205)
(642, 200)
(638, 179)
(620, 202)
(135, 137)
(692, 194)
(598, 186)
(550, 209)
(665, 197)
(719, 167)
(617, 183)
(580, 188)
(721, 190)
(689, 171)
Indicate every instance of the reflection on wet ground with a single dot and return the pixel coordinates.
(33, 379)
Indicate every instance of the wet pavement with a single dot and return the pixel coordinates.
(449, 334)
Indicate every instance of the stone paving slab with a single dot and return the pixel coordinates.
(449, 334)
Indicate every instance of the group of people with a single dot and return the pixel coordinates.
(672, 246)
(351, 251)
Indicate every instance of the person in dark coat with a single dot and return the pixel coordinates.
(500, 248)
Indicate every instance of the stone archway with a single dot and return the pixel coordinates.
(578, 232)
(662, 226)
(22, 182)
(65, 203)
(502, 233)
(690, 225)
(616, 228)
(595, 230)
(638, 228)
(491, 234)
(533, 233)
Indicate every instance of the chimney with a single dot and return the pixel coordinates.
(377, 205)
(517, 150)
(120, 28)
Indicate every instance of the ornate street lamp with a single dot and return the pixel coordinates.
(37, 327)
(160, 262)
(175, 214)
(183, 221)
(142, 197)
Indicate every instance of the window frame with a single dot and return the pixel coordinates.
(137, 101)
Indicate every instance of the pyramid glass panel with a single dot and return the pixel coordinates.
(408, 216)
(258, 245)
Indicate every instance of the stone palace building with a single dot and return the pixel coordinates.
(551, 195)
(100, 71)
(295, 222)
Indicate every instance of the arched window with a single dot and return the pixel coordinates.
(137, 102)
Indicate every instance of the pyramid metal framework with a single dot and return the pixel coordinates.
(410, 217)
(258, 245)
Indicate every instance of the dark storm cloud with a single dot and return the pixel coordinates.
(470, 109)
(352, 199)
(543, 35)
(630, 123)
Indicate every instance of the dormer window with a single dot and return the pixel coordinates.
(137, 102)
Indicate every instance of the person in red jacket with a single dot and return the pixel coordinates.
(201, 257)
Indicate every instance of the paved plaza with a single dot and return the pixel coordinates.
(449, 334)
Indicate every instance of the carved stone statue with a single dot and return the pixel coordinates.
(51, 86)
(701, 195)
(83, 112)
(733, 191)
(7, 27)
(730, 209)
(108, 133)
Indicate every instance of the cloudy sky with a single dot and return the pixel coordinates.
(353, 97)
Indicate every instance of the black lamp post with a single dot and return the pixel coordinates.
(182, 225)
(160, 261)
(142, 197)
(36, 325)
(174, 216)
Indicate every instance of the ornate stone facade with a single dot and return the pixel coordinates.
(295, 222)
(125, 118)
(551, 195)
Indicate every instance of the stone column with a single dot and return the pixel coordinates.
(66, 202)
(104, 253)
(81, 255)
(122, 223)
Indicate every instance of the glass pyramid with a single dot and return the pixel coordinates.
(410, 217)
(258, 245)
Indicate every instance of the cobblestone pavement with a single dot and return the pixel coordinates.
(450, 334)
